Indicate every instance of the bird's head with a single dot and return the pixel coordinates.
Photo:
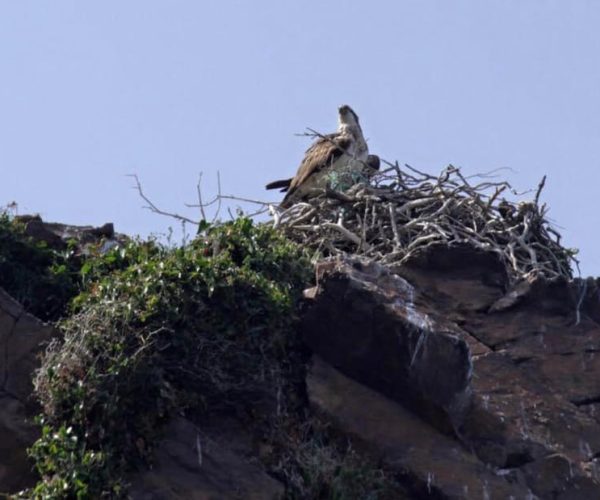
(347, 117)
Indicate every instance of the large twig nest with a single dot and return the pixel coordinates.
(403, 212)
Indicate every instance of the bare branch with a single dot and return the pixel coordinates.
(539, 190)
(199, 191)
(219, 197)
(153, 208)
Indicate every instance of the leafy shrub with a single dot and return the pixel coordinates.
(323, 466)
(209, 326)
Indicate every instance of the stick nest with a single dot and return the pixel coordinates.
(403, 212)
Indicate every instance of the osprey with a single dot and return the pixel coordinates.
(335, 160)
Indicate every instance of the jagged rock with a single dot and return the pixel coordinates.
(515, 420)
(544, 369)
(58, 235)
(192, 465)
(37, 229)
(17, 433)
(433, 465)
(365, 323)
(457, 280)
(553, 477)
(508, 399)
(22, 337)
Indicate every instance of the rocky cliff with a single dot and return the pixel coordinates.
(465, 387)
(225, 370)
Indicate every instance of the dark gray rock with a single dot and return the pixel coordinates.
(508, 373)
(364, 321)
(58, 236)
(432, 464)
(193, 465)
(22, 338)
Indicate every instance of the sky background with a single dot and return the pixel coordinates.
(93, 91)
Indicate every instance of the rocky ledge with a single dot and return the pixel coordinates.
(467, 388)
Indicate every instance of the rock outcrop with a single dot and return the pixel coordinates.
(193, 464)
(431, 462)
(22, 337)
(58, 236)
(459, 384)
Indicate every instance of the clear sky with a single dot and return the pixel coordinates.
(93, 91)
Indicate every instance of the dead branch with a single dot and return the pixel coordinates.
(539, 190)
(201, 205)
(152, 207)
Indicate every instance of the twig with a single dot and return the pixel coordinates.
(392, 211)
(229, 197)
(152, 207)
(341, 229)
(539, 190)
(199, 191)
(219, 198)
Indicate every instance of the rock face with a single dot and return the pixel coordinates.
(58, 235)
(431, 462)
(195, 465)
(499, 384)
(22, 337)
(365, 322)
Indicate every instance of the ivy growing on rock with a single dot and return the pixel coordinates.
(209, 326)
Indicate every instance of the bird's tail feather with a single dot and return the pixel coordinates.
(284, 184)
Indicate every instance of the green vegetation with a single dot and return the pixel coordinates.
(39, 277)
(323, 466)
(151, 331)
(157, 331)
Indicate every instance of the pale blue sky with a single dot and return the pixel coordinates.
(92, 91)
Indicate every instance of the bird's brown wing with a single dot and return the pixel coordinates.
(320, 155)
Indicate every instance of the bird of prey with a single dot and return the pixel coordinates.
(335, 160)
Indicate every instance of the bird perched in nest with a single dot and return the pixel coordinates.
(336, 161)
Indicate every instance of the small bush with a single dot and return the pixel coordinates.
(210, 326)
(208, 329)
(321, 466)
